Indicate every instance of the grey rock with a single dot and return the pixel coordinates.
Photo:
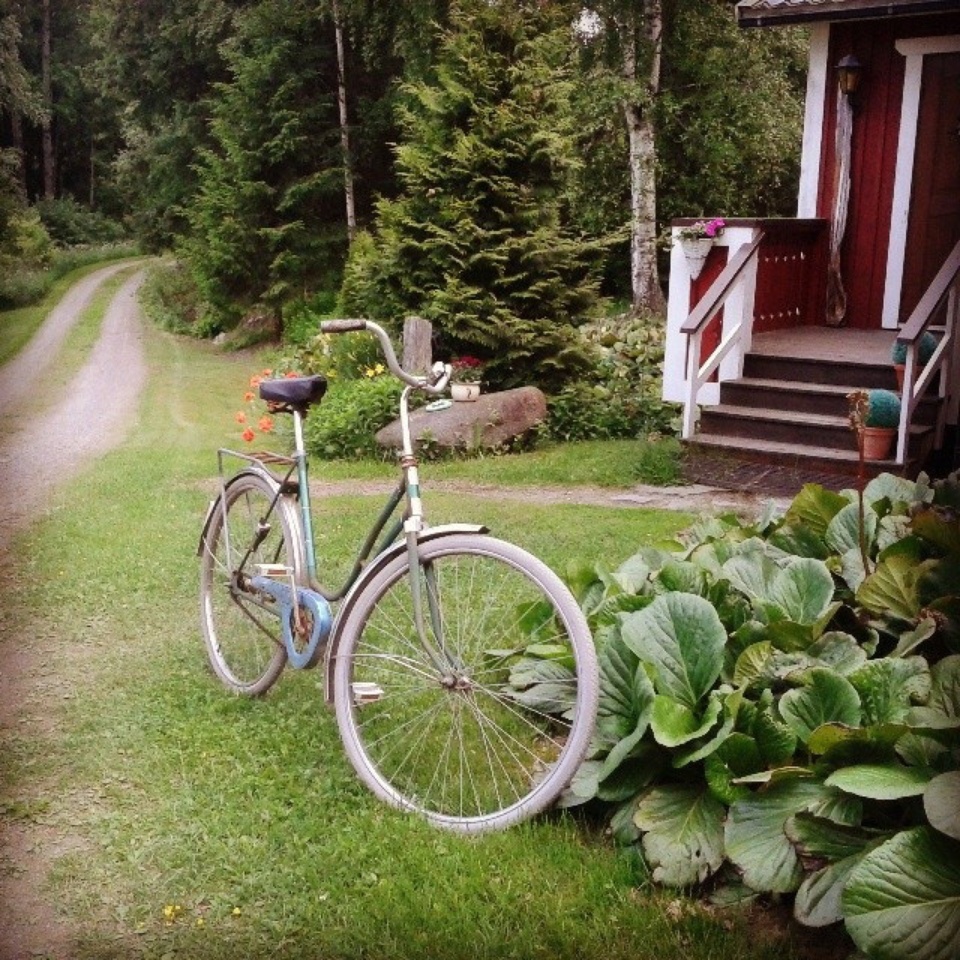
(490, 421)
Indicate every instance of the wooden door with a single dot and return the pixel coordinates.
(934, 221)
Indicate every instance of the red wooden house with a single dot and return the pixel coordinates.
(788, 316)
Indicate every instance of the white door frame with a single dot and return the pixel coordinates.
(914, 49)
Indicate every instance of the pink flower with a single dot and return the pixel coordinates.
(248, 435)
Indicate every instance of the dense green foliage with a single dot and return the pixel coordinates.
(485, 145)
(476, 241)
(780, 709)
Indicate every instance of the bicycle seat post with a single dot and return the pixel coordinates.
(303, 481)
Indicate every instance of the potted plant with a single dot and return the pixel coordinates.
(696, 241)
(898, 354)
(466, 378)
(880, 422)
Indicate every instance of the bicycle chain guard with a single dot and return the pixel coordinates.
(318, 609)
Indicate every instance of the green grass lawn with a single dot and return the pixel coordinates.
(205, 826)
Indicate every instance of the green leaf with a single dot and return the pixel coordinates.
(902, 901)
(626, 693)
(892, 587)
(880, 781)
(682, 834)
(886, 688)
(814, 507)
(827, 698)
(945, 687)
(800, 542)
(755, 837)
(737, 756)
(821, 837)
(672, 723)
(633, 575)
(777, 742)
(896, 490)
(818, 900)
(941, 802)
(751, 663)
(682, 637)
(839, 651)
(842, 745)
(843, 533)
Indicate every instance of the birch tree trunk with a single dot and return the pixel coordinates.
(644, 274)
(47, 122)
(348, 189)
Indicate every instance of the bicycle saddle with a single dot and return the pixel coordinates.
(293, 393)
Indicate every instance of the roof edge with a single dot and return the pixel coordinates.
(761, 13)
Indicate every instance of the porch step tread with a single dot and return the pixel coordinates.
(783, 416)
(794, 386)
(799, 417)
(788, 451)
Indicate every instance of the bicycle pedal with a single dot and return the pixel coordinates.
(274, 570)
(365, 692)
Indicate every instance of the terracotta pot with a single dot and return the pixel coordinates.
(899, 369)
(877, 442)
(464, 392)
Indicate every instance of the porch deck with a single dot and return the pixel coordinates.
(842, 344)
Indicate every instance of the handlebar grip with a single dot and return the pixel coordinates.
(342, 326)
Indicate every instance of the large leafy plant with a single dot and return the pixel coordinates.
(780, 710)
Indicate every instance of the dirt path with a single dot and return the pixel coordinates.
(37, 456)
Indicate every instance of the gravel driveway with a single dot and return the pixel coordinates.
(53, 434)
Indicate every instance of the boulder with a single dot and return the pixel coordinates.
(489, 421)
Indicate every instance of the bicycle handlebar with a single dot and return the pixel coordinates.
(434, 384)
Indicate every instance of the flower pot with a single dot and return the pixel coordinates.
(696, 250)
(464, 392)
(899, 369)
(877, 442)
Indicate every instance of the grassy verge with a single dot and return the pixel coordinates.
(207, 826)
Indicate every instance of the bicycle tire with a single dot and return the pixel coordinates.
(243, 640)
(481, 759)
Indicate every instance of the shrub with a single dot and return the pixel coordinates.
(70, 224)
(779, 708)
(621, 397)
(171, 298)
(343, 427)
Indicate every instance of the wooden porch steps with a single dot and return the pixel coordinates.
(792, 410)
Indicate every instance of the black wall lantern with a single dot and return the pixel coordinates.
(849, 71)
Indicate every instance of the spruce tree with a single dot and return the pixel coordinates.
(267, 222)
(476, 240)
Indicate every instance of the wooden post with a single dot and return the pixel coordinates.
(417, 348)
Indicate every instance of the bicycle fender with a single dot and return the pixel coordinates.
(375, 565)
(214, 504)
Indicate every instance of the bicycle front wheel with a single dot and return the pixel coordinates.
(241, 627)
(484, 724)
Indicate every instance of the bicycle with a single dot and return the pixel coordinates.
(460, 667)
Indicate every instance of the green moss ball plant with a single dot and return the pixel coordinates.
(883, 409)
(925, 347)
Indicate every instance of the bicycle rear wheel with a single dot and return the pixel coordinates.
(492, 733)
(242, 627)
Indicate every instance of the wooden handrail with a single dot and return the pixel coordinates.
(695, 324)
(917, 379)
(913, 329)
(703, 312)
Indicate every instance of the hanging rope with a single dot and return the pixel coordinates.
(836, 294)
